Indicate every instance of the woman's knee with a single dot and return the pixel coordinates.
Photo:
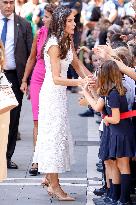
(36, 124)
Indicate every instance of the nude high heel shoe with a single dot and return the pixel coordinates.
(59, 194)
(45, 182)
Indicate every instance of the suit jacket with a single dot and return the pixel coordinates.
(23, 39)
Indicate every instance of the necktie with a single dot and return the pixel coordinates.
(4, 31)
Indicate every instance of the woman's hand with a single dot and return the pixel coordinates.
(88, 84)
(83, 82)
(24, 88)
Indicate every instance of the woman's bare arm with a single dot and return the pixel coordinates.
(125, 69)
(53, 52)
(29, 66)
(79, 67)
(31, 60)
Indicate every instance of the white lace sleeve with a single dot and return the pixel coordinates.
(52, 41)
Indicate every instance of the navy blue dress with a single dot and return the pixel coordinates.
(105, 140)
(104, 144)
(122, 139)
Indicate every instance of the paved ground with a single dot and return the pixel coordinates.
(22, 189)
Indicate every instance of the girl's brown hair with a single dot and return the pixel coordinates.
(125, 55)
(109, 76)
(2, 55)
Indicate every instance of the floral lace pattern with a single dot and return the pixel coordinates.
(54, 148)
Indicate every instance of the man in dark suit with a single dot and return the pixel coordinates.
(16, 34)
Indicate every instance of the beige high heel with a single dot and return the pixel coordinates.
(59, 194)
(45, 183)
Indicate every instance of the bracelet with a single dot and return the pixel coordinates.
(24, 81)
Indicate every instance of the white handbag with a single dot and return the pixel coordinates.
(8, 100)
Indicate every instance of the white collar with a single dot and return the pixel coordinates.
(11, 17)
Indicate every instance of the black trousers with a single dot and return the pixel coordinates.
(14, 114)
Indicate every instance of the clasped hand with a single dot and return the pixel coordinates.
(89, 83)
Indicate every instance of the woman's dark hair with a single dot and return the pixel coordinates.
(109, 76)
(116, 37)
(130, 19)
(57, 28)
(119, 21)
(117, 41)
(96, 14)
(103, 37)
(134, 51)
(50, 7)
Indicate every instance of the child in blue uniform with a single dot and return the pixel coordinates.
(122, 140)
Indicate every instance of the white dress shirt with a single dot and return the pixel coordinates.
(9, 44)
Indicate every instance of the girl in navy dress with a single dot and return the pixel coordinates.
(122, 140)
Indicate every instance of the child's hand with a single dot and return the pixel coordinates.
(91, 83)
(104, 51)
(84, 48)
(83, 82)
(84, 88)
(105, 121)
(82, 101)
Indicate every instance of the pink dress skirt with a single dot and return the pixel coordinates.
(38, 74)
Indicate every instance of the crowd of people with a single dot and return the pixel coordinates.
(42, 42)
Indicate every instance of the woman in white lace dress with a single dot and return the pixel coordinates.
(54, 147)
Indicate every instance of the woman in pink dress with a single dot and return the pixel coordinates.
(35, 61)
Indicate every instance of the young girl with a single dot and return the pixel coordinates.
(4, 128)
(122, 141)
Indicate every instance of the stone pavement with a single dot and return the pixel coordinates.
(22, 189)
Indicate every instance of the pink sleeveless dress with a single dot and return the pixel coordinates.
(38, 74)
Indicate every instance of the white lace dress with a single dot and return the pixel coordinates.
(54, 147)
